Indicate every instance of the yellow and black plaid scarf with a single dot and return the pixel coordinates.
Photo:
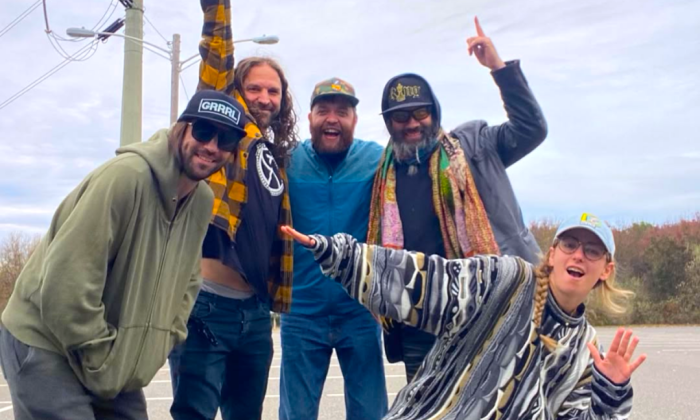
(228, 184)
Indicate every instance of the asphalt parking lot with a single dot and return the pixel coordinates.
(665, 387)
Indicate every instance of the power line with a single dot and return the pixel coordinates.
(82, 54)
(151, 49)
(184, 87)
(111, 8)
(55, 40)
(19, 18)
(63, 53)
(104, 19)
(56, 45)
(156, 29)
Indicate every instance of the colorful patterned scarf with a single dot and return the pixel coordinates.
(229, 183)
(464, 225)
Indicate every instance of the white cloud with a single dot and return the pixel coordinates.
(617, 82)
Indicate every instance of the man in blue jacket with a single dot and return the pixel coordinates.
(330, 184)
(448, 193)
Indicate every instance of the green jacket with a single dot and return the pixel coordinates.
(112, 283)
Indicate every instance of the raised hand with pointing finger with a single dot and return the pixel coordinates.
(482, 46)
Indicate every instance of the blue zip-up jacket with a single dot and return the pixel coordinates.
(327, 201)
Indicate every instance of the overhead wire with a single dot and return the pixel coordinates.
(84, 53)
(20, 18)
(108, 13)
(184, 87)
(86, 50)
(154, 27)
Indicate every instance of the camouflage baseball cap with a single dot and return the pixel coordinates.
(334, 86)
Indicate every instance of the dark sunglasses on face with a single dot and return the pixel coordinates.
(418, 114)
(592, 252)
(204, 132)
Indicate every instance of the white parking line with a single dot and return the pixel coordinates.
(9, 407)
(272, 378)
(340, 377)
(680, 350)
(386, 364)
(390, 394)
(337, 365)
(278, 367)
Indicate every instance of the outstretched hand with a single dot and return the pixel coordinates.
(483, 48)
(305, 240)
(616, 365)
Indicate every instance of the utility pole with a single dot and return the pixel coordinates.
(177, 66)
(174, 77)
(133, 66)
(133, 74)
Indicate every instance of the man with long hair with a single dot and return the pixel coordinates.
(107, 292)
(246, 262)
(271, 106)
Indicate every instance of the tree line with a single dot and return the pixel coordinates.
(659, 262)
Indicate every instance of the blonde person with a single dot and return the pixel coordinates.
(513, 339)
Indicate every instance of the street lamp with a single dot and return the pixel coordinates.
(87, 33)
(265, 39)
(173, 55)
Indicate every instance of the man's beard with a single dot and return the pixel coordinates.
(186, 162)
(264, 121)
(344, 141)
(407, 151)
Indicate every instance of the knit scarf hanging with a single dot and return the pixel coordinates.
(464, 225)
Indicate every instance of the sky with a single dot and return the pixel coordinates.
(617, 81)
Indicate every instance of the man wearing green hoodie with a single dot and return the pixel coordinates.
(106, 295)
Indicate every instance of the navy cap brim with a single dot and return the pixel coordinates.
(189, 118)
(406, 106)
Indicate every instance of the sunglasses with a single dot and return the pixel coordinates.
(204, 132)
(569, 245)
(418, 114)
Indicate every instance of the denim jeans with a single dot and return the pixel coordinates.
(415, 345)
(307, 346)
(225, 361)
